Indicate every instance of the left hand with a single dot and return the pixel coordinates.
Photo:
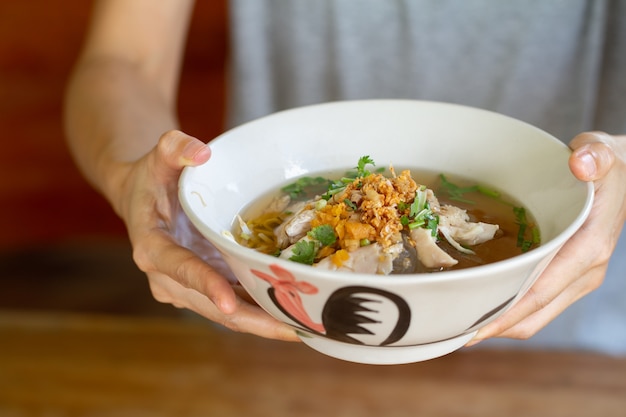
(581, 264)
(182, 267)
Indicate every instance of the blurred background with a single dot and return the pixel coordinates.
(61, 246)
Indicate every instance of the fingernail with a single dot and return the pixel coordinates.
(196, 154)
(589, 163)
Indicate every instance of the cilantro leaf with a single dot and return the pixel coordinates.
(336, 187)
(324, 234)
(454, 191)
(363, 162)
(339, 185)
(304, 252)
(303, 185)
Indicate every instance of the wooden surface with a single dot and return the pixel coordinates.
(80, 365)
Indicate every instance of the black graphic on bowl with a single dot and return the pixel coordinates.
(490, 314)
(348, 313)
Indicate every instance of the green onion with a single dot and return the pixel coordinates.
(489, 192)
(536, 236)
(419, 203)
(320, 204)
(350, 204)
(420, 213)
(416, 224)
(524, 226)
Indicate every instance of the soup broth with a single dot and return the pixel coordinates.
(516, 229)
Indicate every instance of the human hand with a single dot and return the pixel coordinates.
(183, 268)
(580, 266)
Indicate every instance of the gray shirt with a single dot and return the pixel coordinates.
(557, 64)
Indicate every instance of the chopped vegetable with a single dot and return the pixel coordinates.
(337, 187)
(304, 252)
(454, 191)
(350, 204)
(363, 162)
(340, 184)
(324, 234)
(420, 214)
(298, 189)
(522, 221)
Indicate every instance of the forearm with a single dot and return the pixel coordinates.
(122, 94)
(113, 116)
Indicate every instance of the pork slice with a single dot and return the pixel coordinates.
(294, 227)
(428, 252)
(370, 259)
(278, 204)
(456, 222)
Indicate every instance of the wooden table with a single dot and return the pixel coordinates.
(75, 365)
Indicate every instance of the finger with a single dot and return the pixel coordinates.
(158, 252)
(176, 150)
(248, 318)
(533, 312)
(592, 157)
(243, 294)
(561, 284)
(580, 266)
(531, 324)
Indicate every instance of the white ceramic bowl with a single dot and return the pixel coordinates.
(415, 317)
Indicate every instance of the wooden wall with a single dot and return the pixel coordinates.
(43, 198)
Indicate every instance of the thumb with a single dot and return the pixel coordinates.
(176, 150)
(592, 156)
